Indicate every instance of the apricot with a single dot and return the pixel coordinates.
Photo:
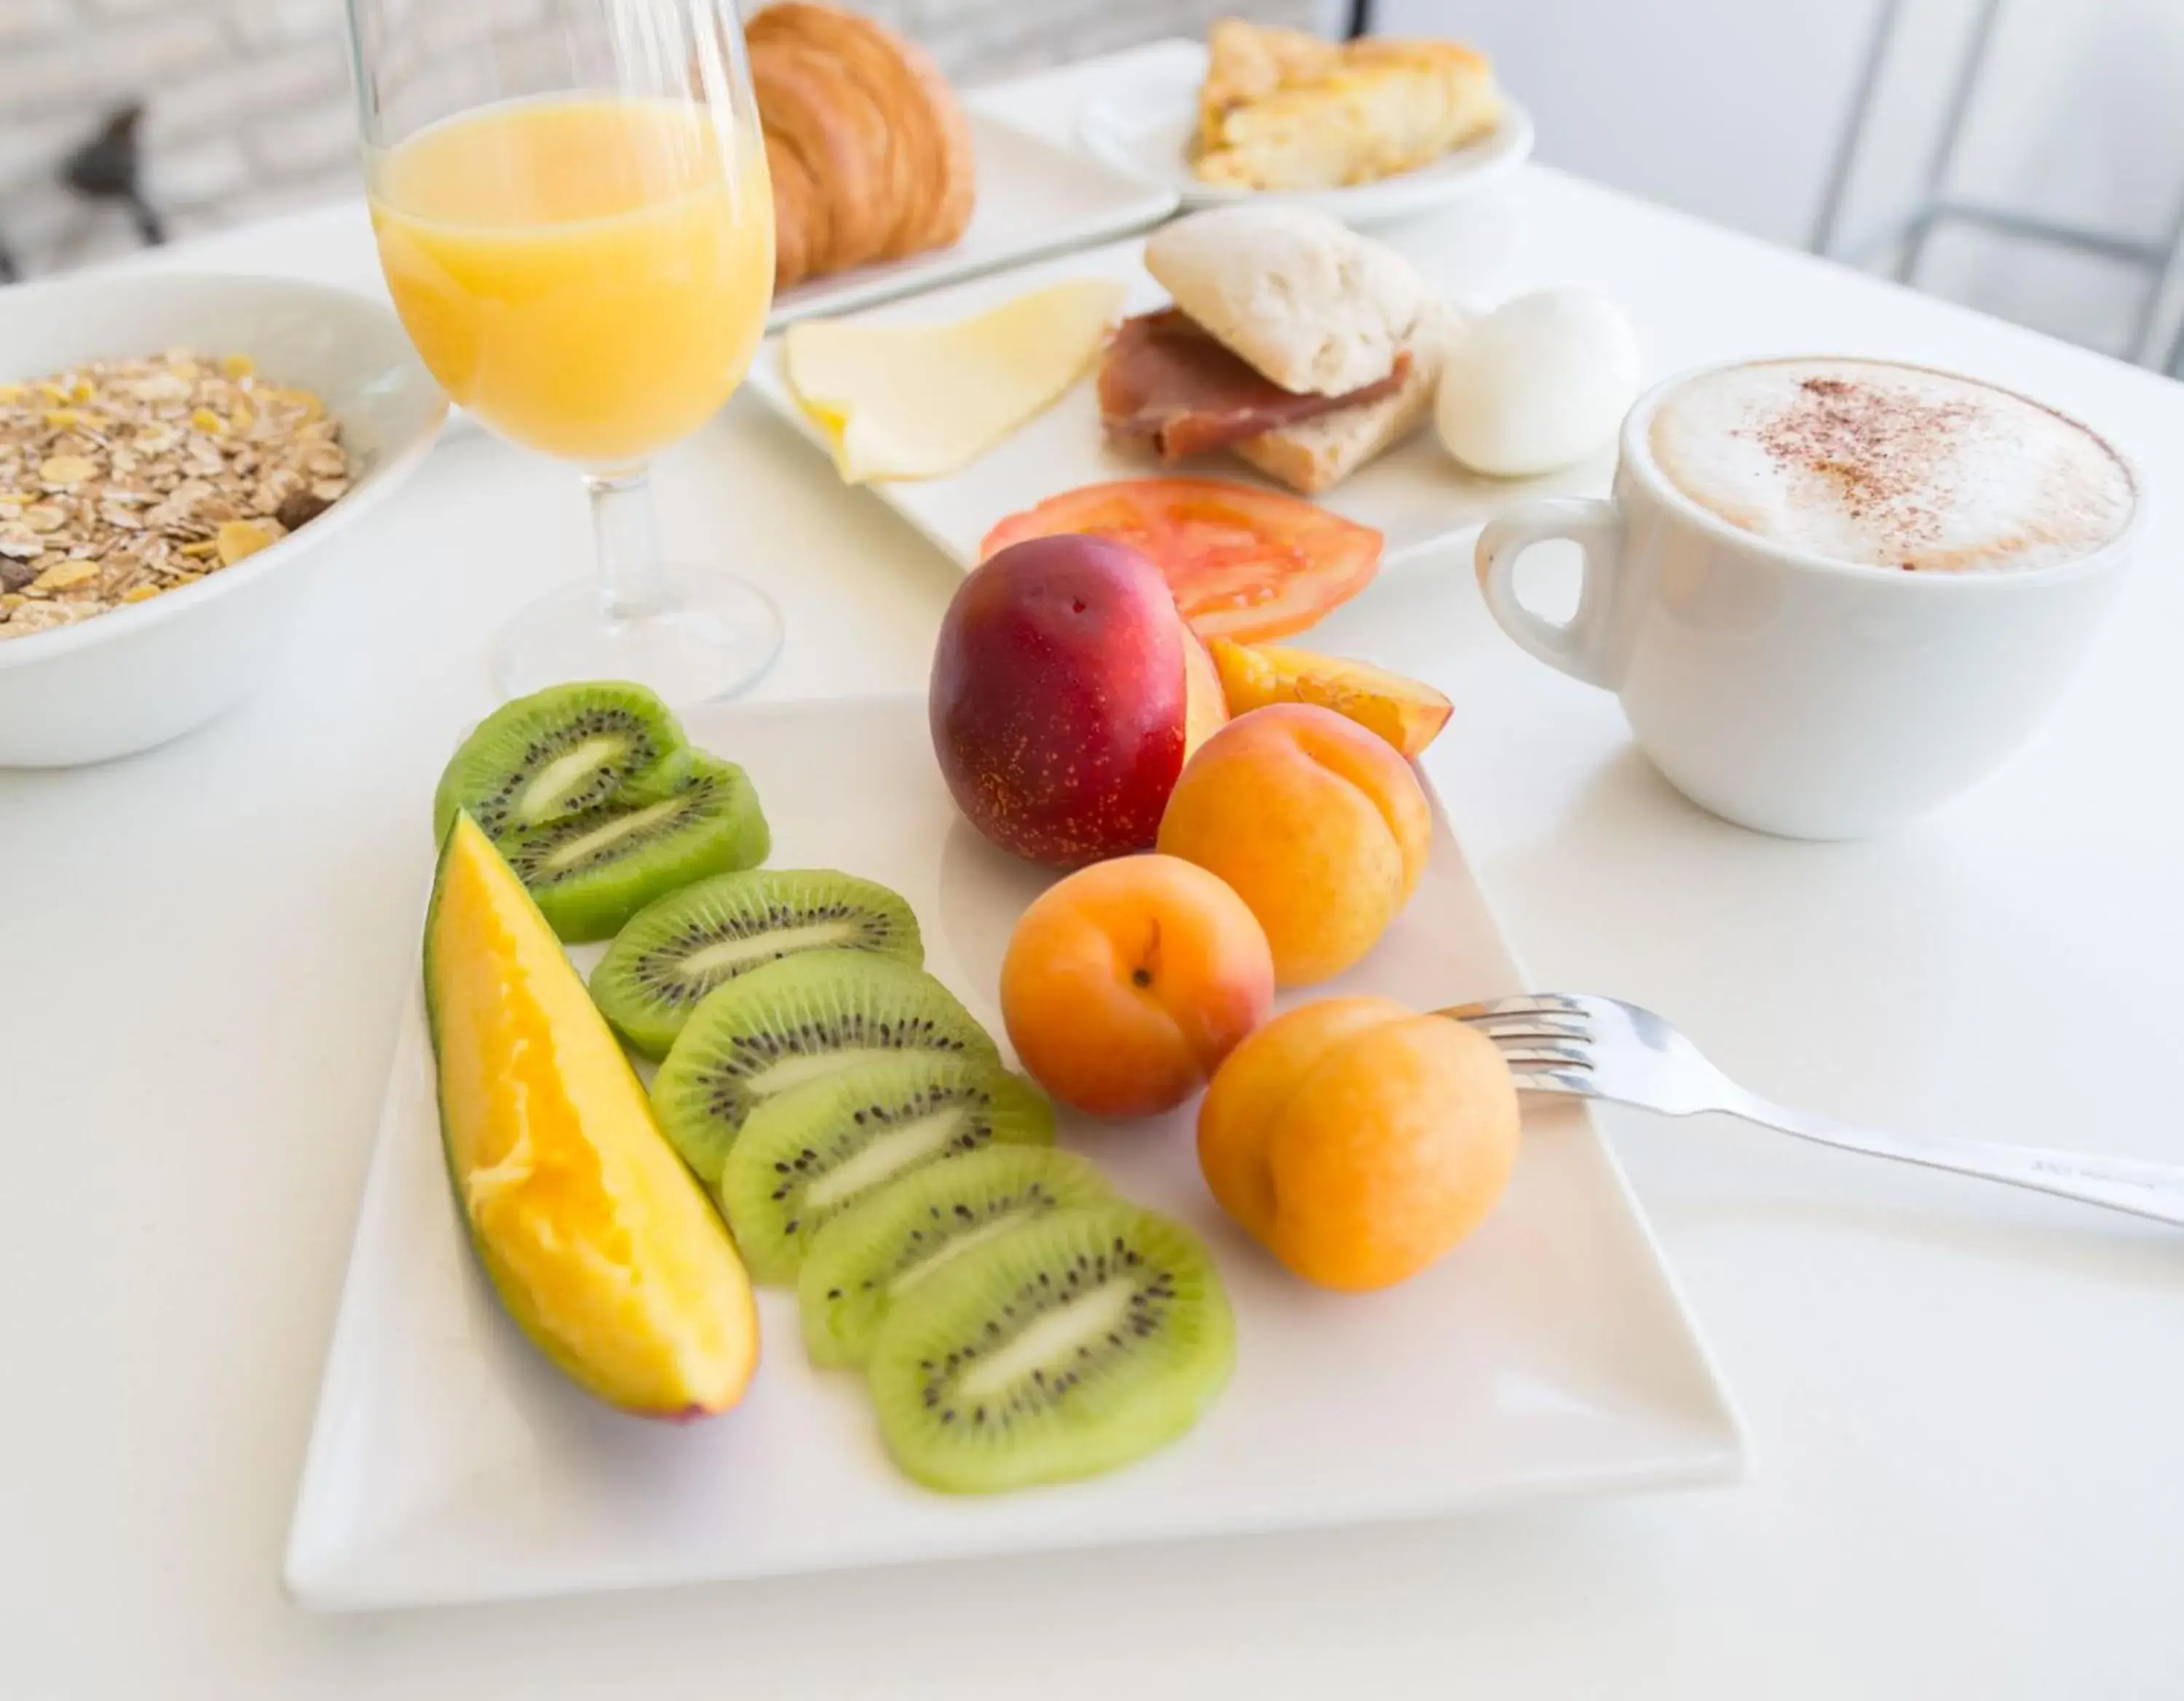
(1358, 1141)
(1404, 711)
(1320, 825)
(1125, 985)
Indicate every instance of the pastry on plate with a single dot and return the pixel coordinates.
(869, 153)
(1247, 62)
(1283, 110)
(1294, 343)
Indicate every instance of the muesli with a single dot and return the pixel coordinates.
(120, 480)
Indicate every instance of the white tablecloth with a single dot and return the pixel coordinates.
(1968, 1403)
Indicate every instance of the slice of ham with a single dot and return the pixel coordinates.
(1165, 379)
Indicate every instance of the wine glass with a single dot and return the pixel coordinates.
(574, 220)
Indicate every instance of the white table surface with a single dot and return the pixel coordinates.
(1967, 1403)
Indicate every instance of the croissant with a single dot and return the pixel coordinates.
(869, 152)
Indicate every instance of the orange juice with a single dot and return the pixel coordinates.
(589, 275)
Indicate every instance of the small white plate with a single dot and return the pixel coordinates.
(1414, 495)
(1033, 198)
(1549, 1353)
(1149, 131)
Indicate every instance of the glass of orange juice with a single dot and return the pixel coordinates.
(572, 212)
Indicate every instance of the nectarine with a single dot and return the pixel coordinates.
(1125, 985)
(1066, 694)
(1358, 1141)
(1319, 825)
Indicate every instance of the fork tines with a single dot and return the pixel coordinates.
(1537, 1016)
(1540, 1033)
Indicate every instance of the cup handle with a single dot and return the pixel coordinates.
(1579, 649)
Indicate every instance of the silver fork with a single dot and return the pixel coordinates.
(1602, 1048)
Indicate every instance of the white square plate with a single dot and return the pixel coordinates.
(1033, 198)
(1414, 495)
(1549, 1353)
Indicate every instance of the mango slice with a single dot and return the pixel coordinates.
(601, 1244)
(1409, 714)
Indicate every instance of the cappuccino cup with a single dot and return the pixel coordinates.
(1831, 593)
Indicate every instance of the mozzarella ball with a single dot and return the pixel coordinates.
(1541, 381)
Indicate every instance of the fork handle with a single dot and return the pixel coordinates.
(2121, 1184)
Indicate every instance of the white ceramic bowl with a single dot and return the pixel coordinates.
(139, 676)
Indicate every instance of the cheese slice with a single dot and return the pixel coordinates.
(921, 401)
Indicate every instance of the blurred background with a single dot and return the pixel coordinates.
(2023, 156)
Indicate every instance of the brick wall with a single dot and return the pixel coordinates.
(248, 108)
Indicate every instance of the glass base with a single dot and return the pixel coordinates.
(717, 636)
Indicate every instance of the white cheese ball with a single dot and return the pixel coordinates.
(1541, 381)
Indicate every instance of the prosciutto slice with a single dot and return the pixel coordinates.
(1167, 380)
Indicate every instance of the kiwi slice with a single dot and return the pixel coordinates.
(865, 1259)
(1068, 1346)
(556, 753)
(808, 1155)
(792, 1022)
(678, 949)
(592, 871)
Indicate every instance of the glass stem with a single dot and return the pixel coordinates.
(633, 582)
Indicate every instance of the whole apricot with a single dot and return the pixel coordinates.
(1359, 1141)
(1320, 825)
(1126, 984)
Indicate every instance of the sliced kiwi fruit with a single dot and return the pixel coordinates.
(1076, 1343)
(679, 948)
(554, 754)
(807, 1155)
(861, 1263)
(592, 871)
(792, 1022)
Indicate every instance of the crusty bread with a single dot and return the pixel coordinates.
(1315, 307)
(1318, 453)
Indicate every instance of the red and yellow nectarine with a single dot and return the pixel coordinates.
(1066, 694)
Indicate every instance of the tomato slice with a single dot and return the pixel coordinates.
(1244, 563)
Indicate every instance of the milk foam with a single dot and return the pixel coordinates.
(1891, 466)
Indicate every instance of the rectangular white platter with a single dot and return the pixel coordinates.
(1549, 1353)
(1415, 496)
(1035, 198)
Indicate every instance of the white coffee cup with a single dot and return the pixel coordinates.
(1786, 691)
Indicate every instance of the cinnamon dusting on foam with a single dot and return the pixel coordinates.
(1886, 454)
(1881, 465)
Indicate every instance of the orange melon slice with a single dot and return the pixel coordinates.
(600, 1243)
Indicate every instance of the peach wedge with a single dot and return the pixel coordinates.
(1407, 714)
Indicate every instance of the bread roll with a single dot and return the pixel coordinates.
(1318, 454)
(1315, 307)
